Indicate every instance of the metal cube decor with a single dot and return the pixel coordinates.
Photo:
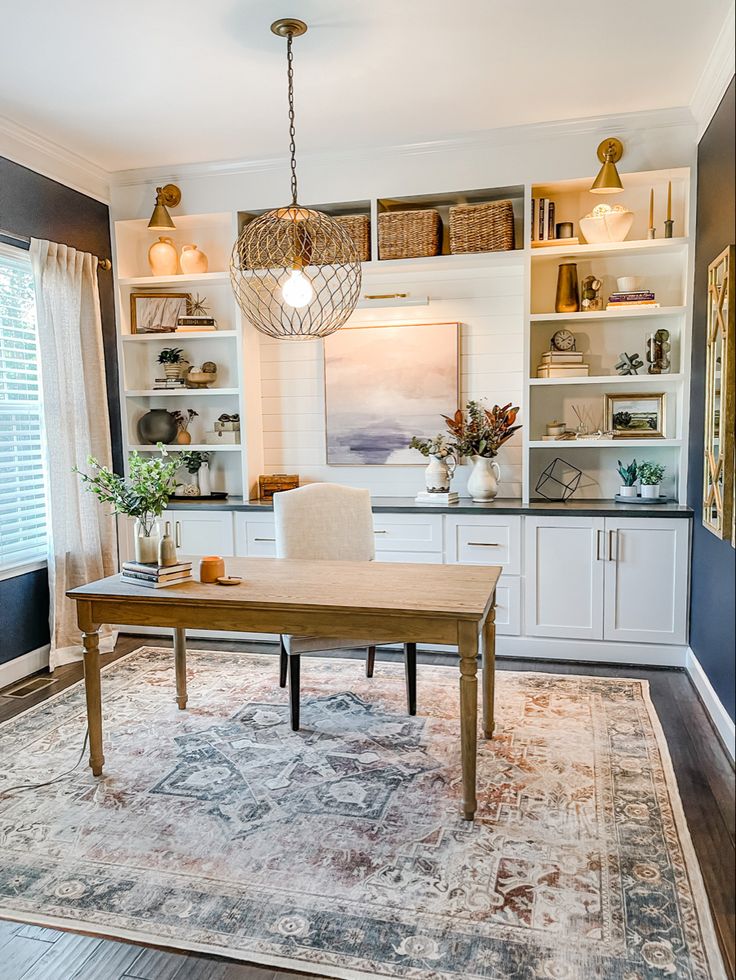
(559, 480)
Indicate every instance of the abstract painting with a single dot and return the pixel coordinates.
(384, 385)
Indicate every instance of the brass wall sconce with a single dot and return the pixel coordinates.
(168, 196)
(608, 181)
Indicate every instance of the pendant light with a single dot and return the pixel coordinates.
(295, 271)
(608, 181)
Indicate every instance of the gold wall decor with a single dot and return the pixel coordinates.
(720, 398)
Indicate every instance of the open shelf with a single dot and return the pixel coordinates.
(631, 312)
(601, 443)
(179, 392)
(648, 380)
(188, 335)
(640, 247)
(199, 447)
(200, 278)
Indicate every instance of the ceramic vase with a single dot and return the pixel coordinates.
(483, 481)
(438, 475)
(193, 261)
(184, 438)
(203, 479)
(627, 491)
(158, 425)
(567, 299)
(651, 490)
(162, 258)
(146, 544)
(172, 371)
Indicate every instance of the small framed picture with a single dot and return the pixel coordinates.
(635, 416)
(157, 312)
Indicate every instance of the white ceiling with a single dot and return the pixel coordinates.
(152, 82)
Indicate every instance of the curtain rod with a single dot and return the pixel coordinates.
(25, 242)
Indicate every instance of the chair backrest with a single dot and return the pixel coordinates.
(324, 521)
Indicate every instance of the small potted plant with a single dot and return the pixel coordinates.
(172, 361)
(197, 464)
(441, 467)
(479, 433)
(143, 496)
(650, 475)
(629, 475)
(183, 421)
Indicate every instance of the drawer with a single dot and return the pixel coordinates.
(255, 535)
(408, 532)
(508, 605)
(204, 532)
(420, 557)
(484, 541)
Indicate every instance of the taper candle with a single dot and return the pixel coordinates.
(651, 208)
(669, 201)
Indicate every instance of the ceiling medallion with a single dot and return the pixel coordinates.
(295, 271)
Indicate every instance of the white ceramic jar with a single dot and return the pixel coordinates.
(193, 261)
(163, 258)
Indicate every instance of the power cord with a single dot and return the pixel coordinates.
(24, 786)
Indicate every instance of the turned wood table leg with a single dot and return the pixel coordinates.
(180, 666)
(468, 649)
(93, 694)
(489, 672)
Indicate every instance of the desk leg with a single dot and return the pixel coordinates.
(180, 666)
(489, 672)
(468, 649)
(93, 694)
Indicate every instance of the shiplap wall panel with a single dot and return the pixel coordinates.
(489, 305)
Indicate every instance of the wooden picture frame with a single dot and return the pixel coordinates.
(635, 416)
(719, 481)
(160, 308)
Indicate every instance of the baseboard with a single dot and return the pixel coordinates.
(720, 718)
(20, 667)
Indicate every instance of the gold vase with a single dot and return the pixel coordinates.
(567, 299)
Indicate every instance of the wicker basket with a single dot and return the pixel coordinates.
(409, 234)
(485, 227)
(358, 226)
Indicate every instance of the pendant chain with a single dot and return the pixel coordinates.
(292, 130)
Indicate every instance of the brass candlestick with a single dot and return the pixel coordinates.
(668, 226)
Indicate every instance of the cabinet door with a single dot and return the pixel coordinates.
(646, 579)
(564, 565)
(205, 532)
(255, 535)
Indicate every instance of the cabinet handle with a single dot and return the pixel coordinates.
(610, 545)
(598, 544)
(177, 534)
(380, 532)
(484, 544)
(264, 539)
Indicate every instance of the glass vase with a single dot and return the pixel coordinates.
(147, 535)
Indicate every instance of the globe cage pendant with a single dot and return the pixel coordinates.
(295, 271)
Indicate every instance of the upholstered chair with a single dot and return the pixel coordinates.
(328, 522)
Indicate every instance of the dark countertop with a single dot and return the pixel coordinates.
(505, 505)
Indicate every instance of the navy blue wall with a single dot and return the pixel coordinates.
(38, 207)
(712, 612)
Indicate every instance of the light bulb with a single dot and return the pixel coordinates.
(297, 290)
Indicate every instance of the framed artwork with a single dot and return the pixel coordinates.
(635, 416)
(385, 384)
(157, 312)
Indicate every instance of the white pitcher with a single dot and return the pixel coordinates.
(483, 481)
(438, 474)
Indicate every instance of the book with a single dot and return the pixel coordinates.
(193, 320)
(626, 304)
(540, 219)
(191, 328)
(550, 221)
(151, 584)
(425, 497)
(556, 241)
(563, 371)
(156, 579)
(137, 566)
(533, 226)
(562, 357)
(640, 294)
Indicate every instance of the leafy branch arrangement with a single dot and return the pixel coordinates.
(170, 355)
(628, 474)
(183, 419)
(192, 460)
(651, 474)
(144, 494)
(479, 431)
(438, 446)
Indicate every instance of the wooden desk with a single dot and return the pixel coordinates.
(448, 604)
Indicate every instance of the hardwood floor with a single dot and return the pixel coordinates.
(704, 775)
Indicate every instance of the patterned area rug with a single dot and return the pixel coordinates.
(339, 850)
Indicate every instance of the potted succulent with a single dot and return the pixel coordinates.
(197, 464)
(441, 467)
(183, 420)
(172, 361)
(479, 433)
(629, 475)
(143, 495)
(650, 475)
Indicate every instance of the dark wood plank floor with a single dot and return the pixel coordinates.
(704, 774)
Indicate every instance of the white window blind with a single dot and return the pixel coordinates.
(23, 529)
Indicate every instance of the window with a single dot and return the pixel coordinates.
(23, 529)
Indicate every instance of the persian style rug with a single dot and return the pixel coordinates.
(339, 850)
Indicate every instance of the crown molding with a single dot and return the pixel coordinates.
(717, 74)
(42, 155)
(487, 140)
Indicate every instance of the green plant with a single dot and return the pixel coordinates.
(192, 460)
(628, 473)
(651, 474)
(480, 432)
(183, 419)
(144, 494)
(438, 446)
(170, 355)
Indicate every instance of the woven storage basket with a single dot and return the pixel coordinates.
(409, 234)
(485, 227)
(358, 226)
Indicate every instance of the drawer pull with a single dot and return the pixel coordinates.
(264, 539)
(484, 544)
(380, 532)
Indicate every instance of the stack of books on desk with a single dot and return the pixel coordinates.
(155, 576)
(562, 364)
(642, 297)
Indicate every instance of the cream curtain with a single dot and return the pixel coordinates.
(82, 544)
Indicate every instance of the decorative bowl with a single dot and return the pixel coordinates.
(602, 226)
(200, 379)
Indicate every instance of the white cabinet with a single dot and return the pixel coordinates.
(620, 579)
(486, 540)
(203, 532)
(646, 580)
(408, 533)
(255, 535)
(564, 577)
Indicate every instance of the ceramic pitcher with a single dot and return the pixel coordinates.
(483, 481)
(438, 474)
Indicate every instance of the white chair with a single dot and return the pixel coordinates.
(328, 522)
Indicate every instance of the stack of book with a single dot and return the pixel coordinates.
(156, 576)
(642, 297)
(194, 322)
(562, 364)
(169, 384)
(543, 219)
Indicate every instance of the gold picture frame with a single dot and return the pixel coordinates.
(164, 307)
(636, 416)
(720, 398)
